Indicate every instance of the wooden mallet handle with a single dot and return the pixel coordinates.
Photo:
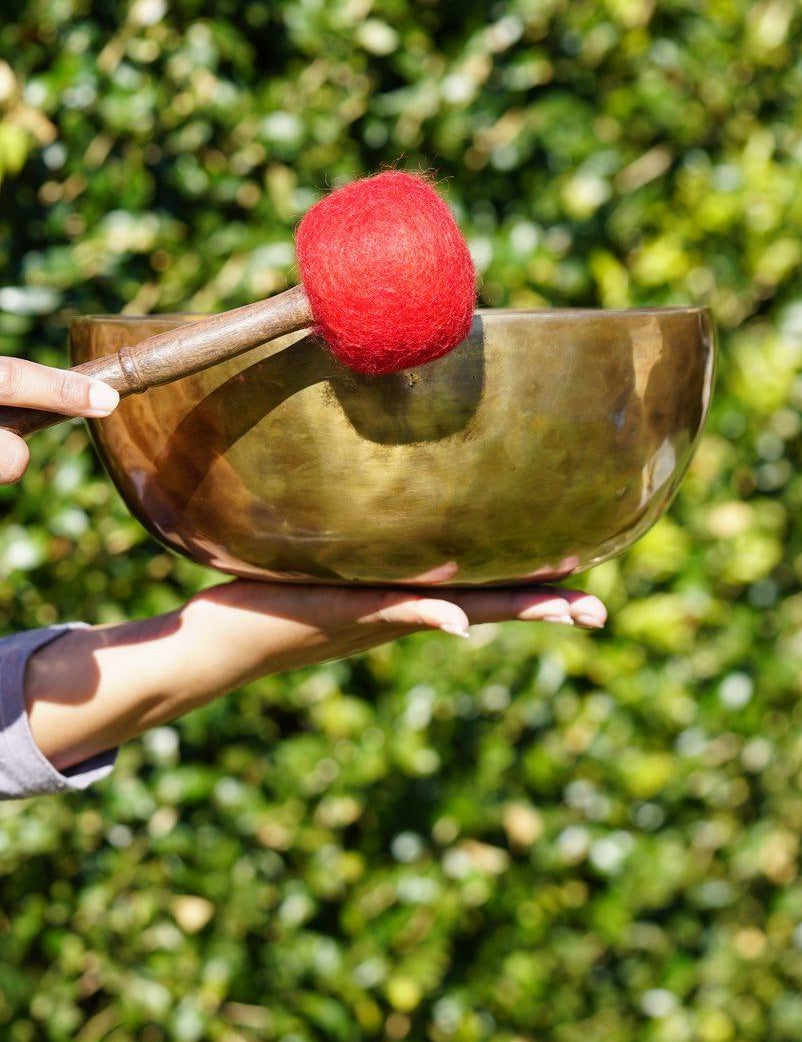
(180, 352)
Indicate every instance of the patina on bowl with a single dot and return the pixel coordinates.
(545, 443)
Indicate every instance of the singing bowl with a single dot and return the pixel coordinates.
(547, 442)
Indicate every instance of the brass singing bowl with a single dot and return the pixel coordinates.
(544, 444)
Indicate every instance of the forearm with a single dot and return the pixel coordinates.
(91, 690)
(95, 689)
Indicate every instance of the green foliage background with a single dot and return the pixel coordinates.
(542, 834)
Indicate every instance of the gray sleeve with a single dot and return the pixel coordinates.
(24, 769)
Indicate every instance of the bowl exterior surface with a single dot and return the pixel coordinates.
(545, 443)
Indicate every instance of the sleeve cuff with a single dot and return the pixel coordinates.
(24, 769)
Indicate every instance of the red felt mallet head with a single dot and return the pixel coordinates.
(387, 280)
(388, 274)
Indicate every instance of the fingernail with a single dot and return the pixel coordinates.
(566, 620)
(591, 621)
(555, 610)
(455, 631)
(102, 398)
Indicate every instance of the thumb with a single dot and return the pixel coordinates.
(420, 613)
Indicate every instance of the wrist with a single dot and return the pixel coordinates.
(93, 689)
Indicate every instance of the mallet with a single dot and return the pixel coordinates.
(387, 281)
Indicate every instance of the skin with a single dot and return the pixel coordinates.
(33, 386)
(91, 690)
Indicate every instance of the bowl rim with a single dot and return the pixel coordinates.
(528, 313)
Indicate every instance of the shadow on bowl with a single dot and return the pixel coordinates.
(547, 442)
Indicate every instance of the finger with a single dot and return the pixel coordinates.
(526, 604)
(14, 457)
(415, 612)
(531, 604)
(586, 610)
(456, 609)
(33, 386)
